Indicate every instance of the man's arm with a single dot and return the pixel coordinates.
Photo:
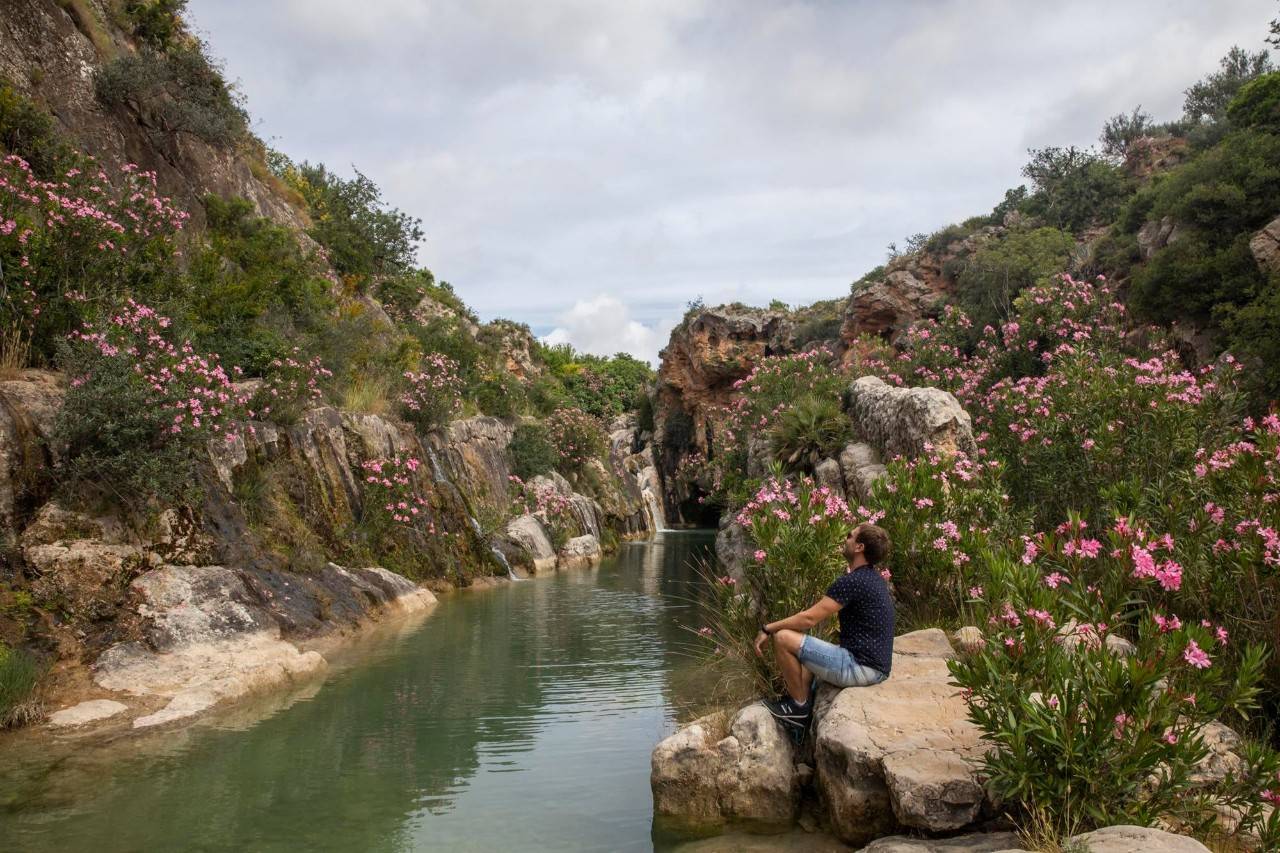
(806, 619)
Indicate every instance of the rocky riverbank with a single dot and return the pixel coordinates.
(157, 615)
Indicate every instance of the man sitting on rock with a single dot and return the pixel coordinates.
(865, 654)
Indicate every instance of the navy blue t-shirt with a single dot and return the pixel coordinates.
(866, 616)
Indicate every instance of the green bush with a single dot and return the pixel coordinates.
(30, 132)
(156, 23)
(1208, 100)
(137, 421)
(1257, 105)
(1122, 129)
(176, 92)
(1073, 188)
(498, 394)
(532, 452)
(19, 675)
(1086, 737)
(364, 237)
(993, 276)
(577, 438)
(252, 288)
(810, 428)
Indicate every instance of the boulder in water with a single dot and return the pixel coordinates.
(580, 552)
(749, 775)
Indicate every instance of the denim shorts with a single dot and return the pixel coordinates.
(836, 665)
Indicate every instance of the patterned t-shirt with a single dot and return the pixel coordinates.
(866, 616)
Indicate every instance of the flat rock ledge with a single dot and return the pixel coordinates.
(210, 637)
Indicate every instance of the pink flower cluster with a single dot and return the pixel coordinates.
(392, 489)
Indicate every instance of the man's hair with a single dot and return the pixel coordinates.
(874, 540)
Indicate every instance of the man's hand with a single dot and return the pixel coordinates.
(761, 639)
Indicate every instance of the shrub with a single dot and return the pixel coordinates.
(1257, 105)
(87, 239)
(1122, 129)
(179, 91)
(549, 504)
(1207, 100)
(1085, 736)
(577, 438)
(531, 451)
(19, 675)
(994, 275)
(140, 413)
(290, 388)
(498, 394)
(363, 236)
(809, 430)
(939, 511)
(29, 131)
(433, 394)
(1073, 188)
(252, 288)
(156, 23)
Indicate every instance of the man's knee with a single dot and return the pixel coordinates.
(788, 640)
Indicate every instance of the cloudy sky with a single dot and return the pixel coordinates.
(589, 167)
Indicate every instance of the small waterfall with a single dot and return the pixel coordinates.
(502, 558)
(437, 473)
(657, 522)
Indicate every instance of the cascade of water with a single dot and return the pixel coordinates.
(502, 558)
(656, 520)
(437, 473)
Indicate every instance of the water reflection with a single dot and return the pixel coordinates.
(520, 717)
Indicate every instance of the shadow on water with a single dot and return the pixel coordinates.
(520, 717)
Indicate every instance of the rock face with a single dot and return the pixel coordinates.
(904, 421)
(913, 286)
(861, 466)
(45, 34)
(707, 353)
(899, 753)
(747, 776)
(1155, 235)
(28, 405)
(1265, 246)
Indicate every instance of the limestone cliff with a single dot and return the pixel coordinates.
(706, 355)
(50, 52)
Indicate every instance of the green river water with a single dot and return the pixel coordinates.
(514, 718)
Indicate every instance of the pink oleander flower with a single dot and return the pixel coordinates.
(1196, 656)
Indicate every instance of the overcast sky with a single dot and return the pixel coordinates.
(589, 167)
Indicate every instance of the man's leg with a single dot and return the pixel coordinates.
(786, 646)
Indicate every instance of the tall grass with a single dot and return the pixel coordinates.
(368, 394)
(19, 675)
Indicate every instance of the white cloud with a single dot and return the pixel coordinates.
(737, 149)
(602, 325)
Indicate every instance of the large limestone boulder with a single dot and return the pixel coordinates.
(891, 304)
(903, 421)
(901, 753)
(1136, 839)
(580, 552)
(748, 776)
(527, 532)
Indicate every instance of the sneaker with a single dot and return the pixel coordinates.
(786, 710)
